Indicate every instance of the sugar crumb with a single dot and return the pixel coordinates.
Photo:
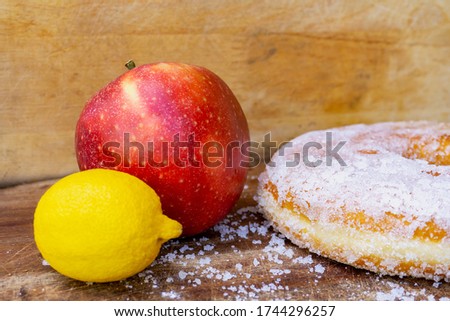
(303, 260)
(319, 268)
(171, 295)
(185, 248)
(182, 275)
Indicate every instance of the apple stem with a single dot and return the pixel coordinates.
(130, 64)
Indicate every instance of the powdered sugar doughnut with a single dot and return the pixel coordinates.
(387, 209)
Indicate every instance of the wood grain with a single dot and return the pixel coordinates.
(294, 65)
(240, 259)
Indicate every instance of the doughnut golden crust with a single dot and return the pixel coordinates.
(387, 210)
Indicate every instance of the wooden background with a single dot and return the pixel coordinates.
(294, 65)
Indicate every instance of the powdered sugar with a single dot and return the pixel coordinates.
(319, 268)
(303, 260)
(170, 295)
(196, 264)
(382, 193)
(243, 258)
(404, 292)
(377, 177)
(182, 275)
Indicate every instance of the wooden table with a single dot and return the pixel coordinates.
(242, 258)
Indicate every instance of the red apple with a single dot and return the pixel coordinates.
(177, 127)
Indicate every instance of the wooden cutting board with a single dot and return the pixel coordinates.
(242, 258)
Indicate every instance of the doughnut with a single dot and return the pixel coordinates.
(384, 206)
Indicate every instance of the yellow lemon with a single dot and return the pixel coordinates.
(101, 225)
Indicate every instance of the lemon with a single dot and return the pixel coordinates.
(101, 225)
